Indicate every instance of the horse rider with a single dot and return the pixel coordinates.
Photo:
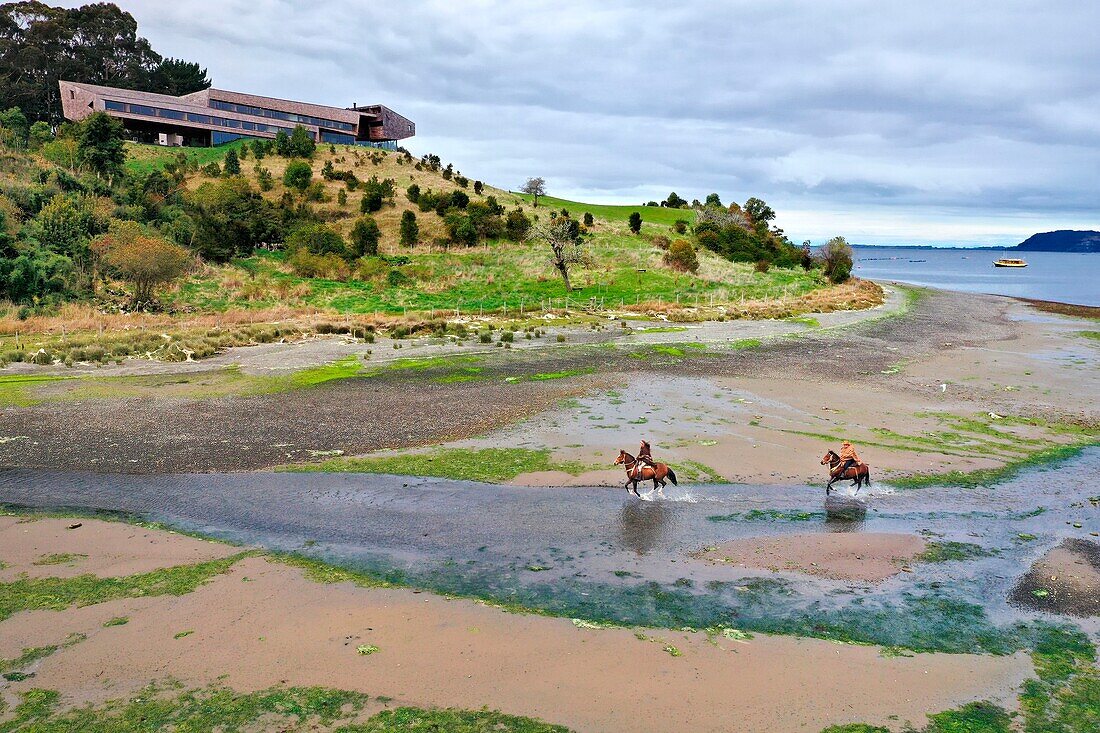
(848, 457)
(645, 455)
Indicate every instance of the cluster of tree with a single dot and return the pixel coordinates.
(95, 43)
(744, 234)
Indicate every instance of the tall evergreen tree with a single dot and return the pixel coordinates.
(96, 43)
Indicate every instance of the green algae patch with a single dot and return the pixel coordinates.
(490, 465)
(21, 390)
(60, 558)
(215, 708)
(767, 515)
(321, 572)
(346, 368)
(949, 551)
(990, 476)
(29, 594)
(290, 709)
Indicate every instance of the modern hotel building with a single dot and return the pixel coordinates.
(214, 116)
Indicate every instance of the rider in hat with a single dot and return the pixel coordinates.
(644, 454)
(848, 457)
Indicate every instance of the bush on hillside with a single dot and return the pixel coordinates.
(230, 219)
(298, 175)
(517, 225)
(318, 239)
(410, 230)
(307, 264)
(145, 262)
(681, 256)
(635, 222)
(364, 237)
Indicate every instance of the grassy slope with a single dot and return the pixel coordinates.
(612, 212)
(489, 276)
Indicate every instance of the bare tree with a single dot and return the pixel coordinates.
(565, 243)
(534, 187)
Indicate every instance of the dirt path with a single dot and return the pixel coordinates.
(264, 624)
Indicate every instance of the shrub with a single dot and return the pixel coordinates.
(230, 218)
(301, 143)
(307, 264)
(635, 222)
(342, 198)
(364, 237)
(212, 170)
(264, 178)
(680, 226)
(232, 165)
(318, 239)
(371, 202)
(298, 175)
(144, 262)
(681, 256)
(410, 230)
(316, 192)
(661, 242)
(762, 266)
(836, 256)
(516, 225)
(412, 193)
(459, 200)
(478, 187)
(396, 278)
(589, 221)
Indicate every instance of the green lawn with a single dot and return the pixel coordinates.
(613, 212)
(145, 158)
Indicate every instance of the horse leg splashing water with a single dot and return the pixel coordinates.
(637, 471)
(858, 474)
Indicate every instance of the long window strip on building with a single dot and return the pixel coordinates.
(202, 119)
(280, 115)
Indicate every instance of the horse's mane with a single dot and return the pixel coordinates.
(628, 456)
(833, 453)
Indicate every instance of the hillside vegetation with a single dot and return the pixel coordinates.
(94, 230)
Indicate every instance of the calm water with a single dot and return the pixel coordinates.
(1060, 276)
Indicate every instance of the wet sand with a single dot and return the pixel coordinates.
(263, 624)
(1064, 580)
(861, 556)
(753, 415)
(104, 549)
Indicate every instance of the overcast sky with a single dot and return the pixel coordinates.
(918, 122)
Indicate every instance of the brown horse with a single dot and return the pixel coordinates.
(637, 471)
(858, 473)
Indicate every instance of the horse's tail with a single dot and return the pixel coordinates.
(672, 476)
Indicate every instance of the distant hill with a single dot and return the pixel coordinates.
(1064, 240)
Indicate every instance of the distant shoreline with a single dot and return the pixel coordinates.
(988, 248)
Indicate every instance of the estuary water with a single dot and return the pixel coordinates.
(1059, 276)
(597, 553)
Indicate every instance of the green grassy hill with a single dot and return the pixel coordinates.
(613, 212)
(622, 269)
